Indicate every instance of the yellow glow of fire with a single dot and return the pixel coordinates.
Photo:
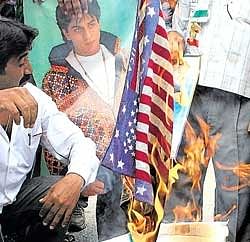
(145, 228)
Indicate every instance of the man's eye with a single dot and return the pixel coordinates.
(92, 24)
(78, 30)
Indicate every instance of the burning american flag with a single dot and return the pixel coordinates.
(141, 144)
(146, 110)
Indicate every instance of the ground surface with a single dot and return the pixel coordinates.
(89, 234)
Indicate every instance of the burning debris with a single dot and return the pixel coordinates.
(199, 149)
(144, 220)
(241, 170)
(188, 213)
(224, 217)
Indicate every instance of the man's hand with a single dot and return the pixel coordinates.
(16, 102)
(94, 188)
(176, 45)
(60, 201)
(73, 7)
(172, 3)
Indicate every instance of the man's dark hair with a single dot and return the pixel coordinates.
(63, 20)
(15, 39)
(8, 11)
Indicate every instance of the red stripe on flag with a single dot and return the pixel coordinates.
(141, 156)
(142, 137)
(158, 112)
(145, 99)
(161, 51)
(143, 118)
(160, 165)
(158, 91)
(161, 31)
(143, 175)
(161, 14)
(160, 71)
(171, 102)
(161, 139)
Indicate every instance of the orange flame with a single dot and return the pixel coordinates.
(173, 176)
(188, 213)
(241, 170)
(223, 217)
(144, 220)
(198, 151)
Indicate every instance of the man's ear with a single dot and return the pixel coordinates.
(28, 68)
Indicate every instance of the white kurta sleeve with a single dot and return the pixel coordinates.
(65, 140)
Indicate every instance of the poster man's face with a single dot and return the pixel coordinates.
(85, 35)
(14, 71)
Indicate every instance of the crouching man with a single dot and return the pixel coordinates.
(39, 208)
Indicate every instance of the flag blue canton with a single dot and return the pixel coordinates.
(120, 155)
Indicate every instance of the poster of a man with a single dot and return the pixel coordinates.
(86, 81)
(84, 70)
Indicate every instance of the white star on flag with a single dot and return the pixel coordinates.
(112, 157)
(151, 11)
(117, 132)
(120, 164)
(141, 190)
(132, 113)
(146, 40)
(129, 124)
(124, 109)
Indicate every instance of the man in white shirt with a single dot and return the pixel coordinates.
(222, 96)
(39, 207)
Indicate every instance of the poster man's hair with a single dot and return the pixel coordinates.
(63, 19)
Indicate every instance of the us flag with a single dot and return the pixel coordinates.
(143, 132)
